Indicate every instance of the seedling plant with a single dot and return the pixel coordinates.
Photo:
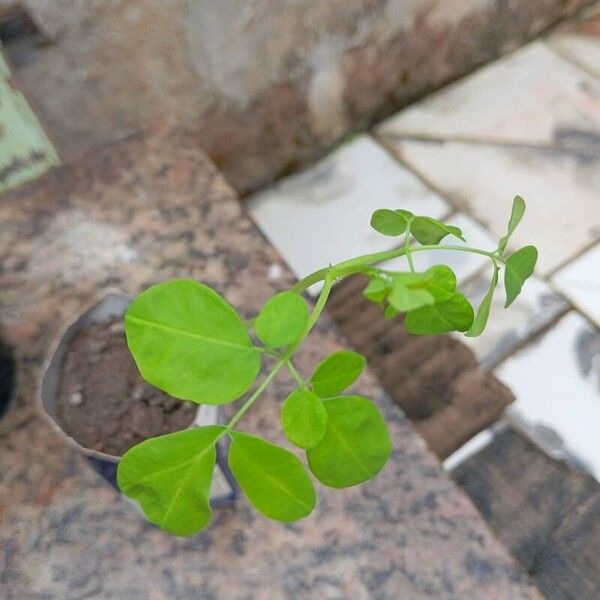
(190, 342)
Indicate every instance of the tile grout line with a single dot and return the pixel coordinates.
(572, 61)
(495, 362)
(565, 263)
(455, 208)
(389, 138)
(389, 149)
(534, 337)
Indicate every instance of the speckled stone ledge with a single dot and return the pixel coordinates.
(150, 208)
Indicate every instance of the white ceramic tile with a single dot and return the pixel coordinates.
(579, 41)
(476, 444)
(533, 96)
(556, 381)
(583, 50)
(322, 215)
(536, 306)
(462, 263)
(580, 282)
(561, 188)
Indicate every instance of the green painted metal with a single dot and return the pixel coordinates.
(25, 150)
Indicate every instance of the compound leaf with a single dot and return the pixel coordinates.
(431, 231)
(190, 342)
(303, 418)
(170, 476)
(483, 312)
(516, 214)
(389, 222)
(455, 314)
(282, 320)
(356, 444)
(272, 478)
(519, 267)
(337, 372)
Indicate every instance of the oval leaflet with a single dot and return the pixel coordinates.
(337, 372)
(170, 476)
(303, 418)
(282, 320)
(272, 478)
(190, 342)
(356, 444)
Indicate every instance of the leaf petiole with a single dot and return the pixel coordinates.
(361, 263)
(292, 369)
(407, 248)
(285, 358)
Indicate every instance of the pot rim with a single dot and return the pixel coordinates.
(51, 369)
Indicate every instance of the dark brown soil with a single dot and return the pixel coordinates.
(104, 403)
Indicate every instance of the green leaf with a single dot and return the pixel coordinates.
(282, 320)
(188, 341)
(304, 418)
(431, 231)
(356, 444)
(376, 290)
(516, 214)
(273, 479)
(410, 279)
(404, 298)
(389, 313)
(519, 267)
(170, 476)
(337, 372)
(455, 314)
(483, 312)
(389, 222)
(440, 282)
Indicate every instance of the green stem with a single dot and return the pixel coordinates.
(285, 358)
(361, 263)
(259, 390)
(295, 374)
(407, 250)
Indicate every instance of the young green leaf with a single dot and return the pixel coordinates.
(410, 279)
(483, 312)
(272, 478)
(431, 231)
(519, 267)
(389, 222)
(516, 214)
(440, 282)
(377, 290)
(170, 476)
(390, 312)
(188, 341)
(356, 444)
(337, 372)
(282, 320)
(303, 418)
(404, 298)
(455, 314)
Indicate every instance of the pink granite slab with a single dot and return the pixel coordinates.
(149, 208)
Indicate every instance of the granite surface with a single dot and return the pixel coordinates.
(149, 208)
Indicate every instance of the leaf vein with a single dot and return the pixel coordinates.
(350, 449)
(276, 482)
(192, 334)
